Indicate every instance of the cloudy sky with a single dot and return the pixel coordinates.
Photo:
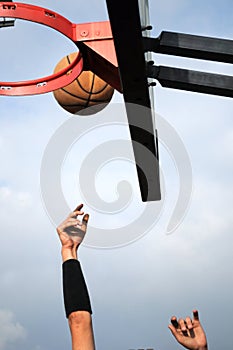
(138, 273)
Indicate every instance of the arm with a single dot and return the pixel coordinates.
(189, 333)
(77, 304)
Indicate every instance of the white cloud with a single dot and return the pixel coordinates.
(15, 198)
(11, 331)
(5, 192)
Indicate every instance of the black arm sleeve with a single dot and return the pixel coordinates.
(76, 297)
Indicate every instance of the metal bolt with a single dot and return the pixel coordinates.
(147, 28)
(153, 83)
(84, 33)
(150, 63)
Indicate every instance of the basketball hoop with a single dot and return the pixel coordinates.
(74, 32)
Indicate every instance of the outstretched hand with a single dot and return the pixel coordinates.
(189, 333)
(71, 233)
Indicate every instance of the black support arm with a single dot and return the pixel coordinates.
(184, 79)
(193, 46)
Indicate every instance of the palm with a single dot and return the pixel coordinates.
(199, 334)
(194, 338)
(74, 234)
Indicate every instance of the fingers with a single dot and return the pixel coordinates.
(195, 315)
(78, 207)
(175, 329)
(72, 226)
(75, 213)
(174, 322)
(189, 323)
(182, 325)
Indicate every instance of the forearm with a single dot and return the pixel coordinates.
(77, 304)
(81, 329)
(76, 296)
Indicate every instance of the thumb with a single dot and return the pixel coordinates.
(85, 219)
(174, 331)
(85, 222)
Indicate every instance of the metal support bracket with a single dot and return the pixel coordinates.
(190, 80)
(193, 46)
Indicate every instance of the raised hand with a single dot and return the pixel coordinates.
(71, 233)
(189, 333)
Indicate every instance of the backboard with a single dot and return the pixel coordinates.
(128, 20)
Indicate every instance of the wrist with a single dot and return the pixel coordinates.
(68, 253)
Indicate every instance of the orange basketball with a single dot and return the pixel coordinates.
(87, 94)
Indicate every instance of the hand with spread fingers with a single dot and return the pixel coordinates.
(71, 233)
(189, 333)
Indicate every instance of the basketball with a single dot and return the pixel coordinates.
(87, 94)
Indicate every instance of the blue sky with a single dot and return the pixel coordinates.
(134, 288)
